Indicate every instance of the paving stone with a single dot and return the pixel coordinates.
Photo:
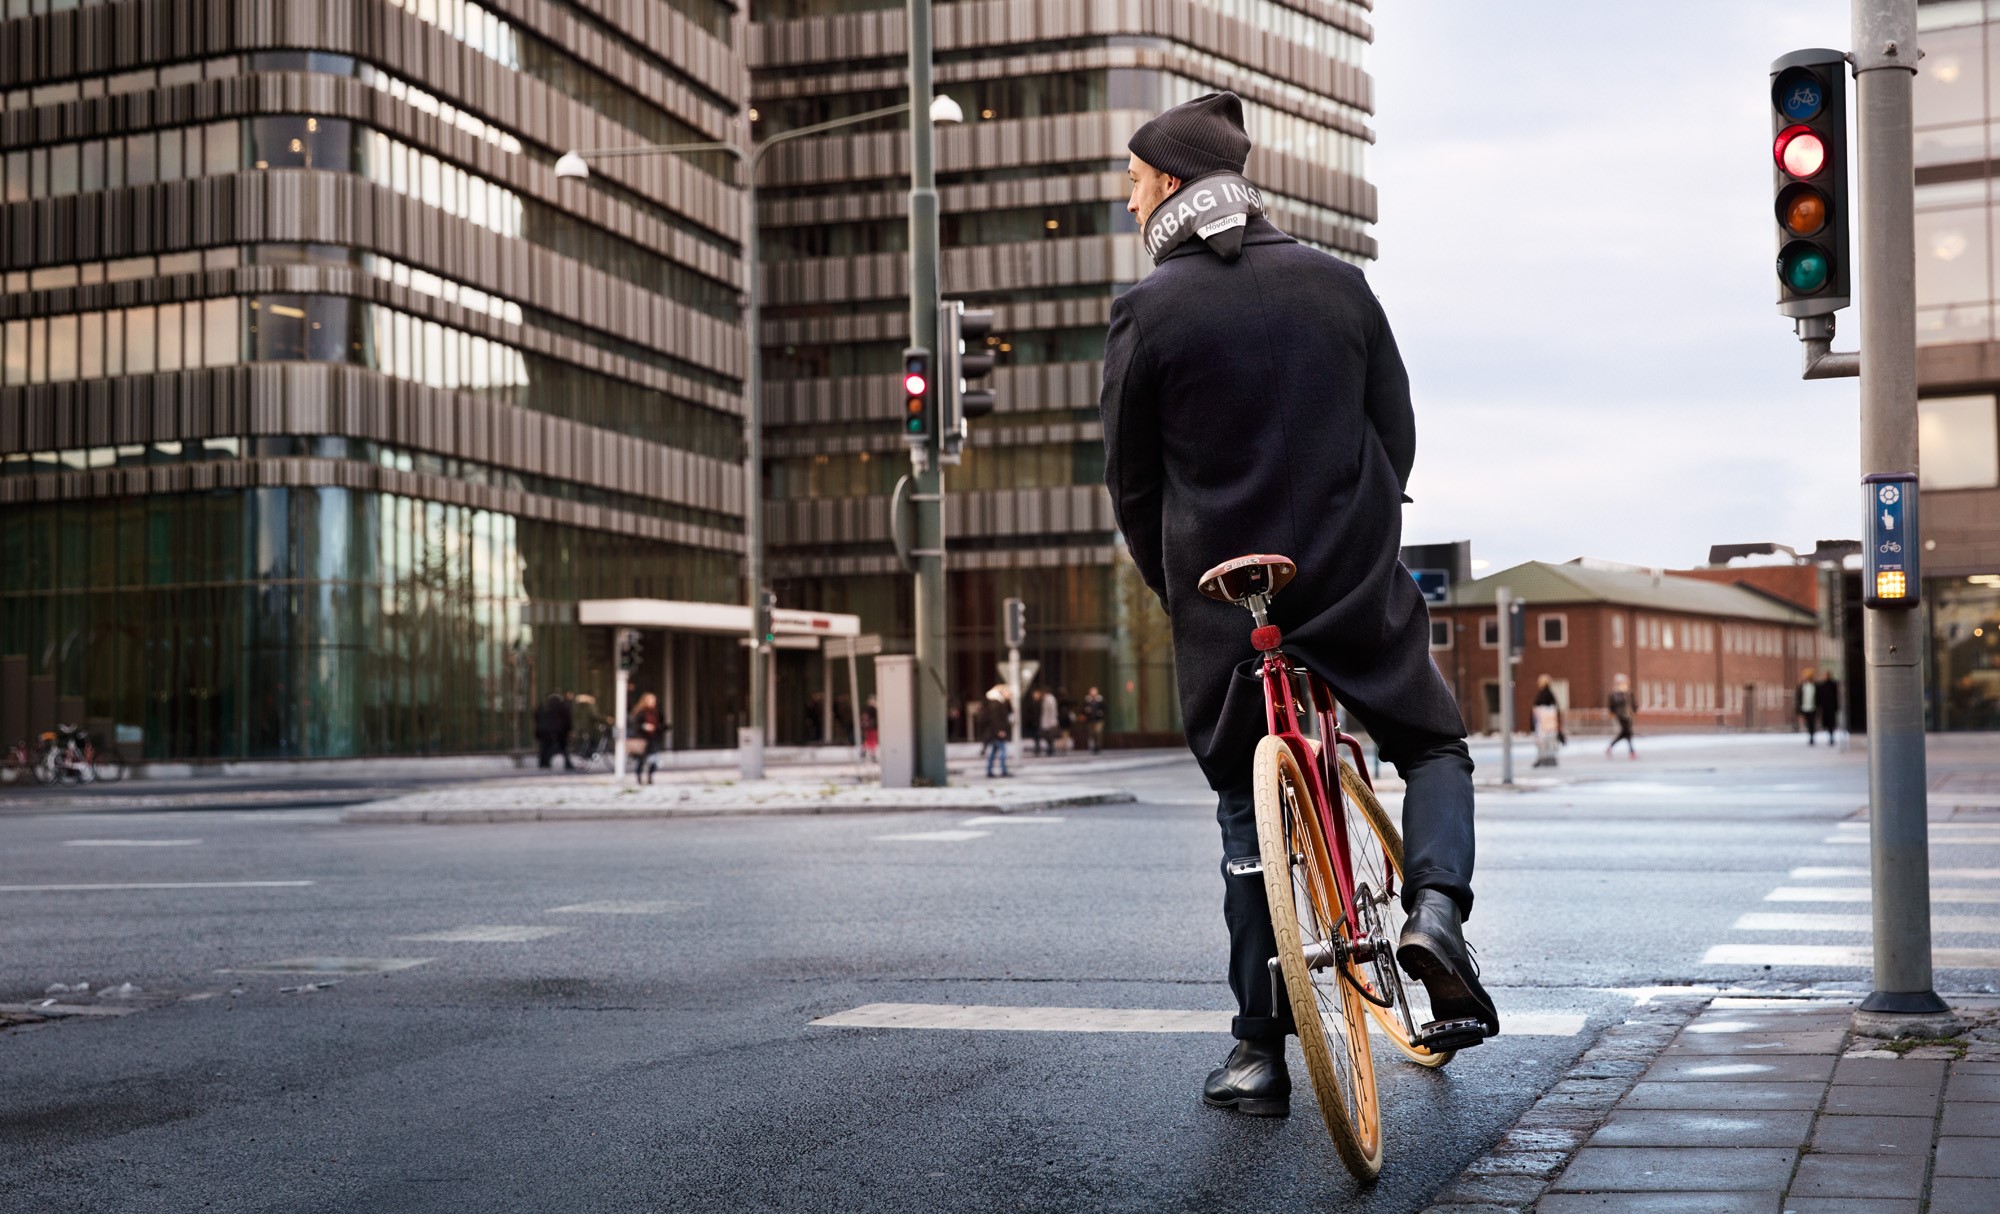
(1725, 1022)
(1976, 1068)
(1547, 1116)
(1860, 1176)
(1903, 1073)
(1785, 1068)
(1964, 1119)
(1961, 1195)
(1825, 1041)
(1602, 1091)
(1659, 1203)
(1974, 1087)
(1677, 1169)
(1881, 1101)
(1697, 1128)
(1501, 1190)
(1539, 1164)
(1836, 1135)
(1850, 1205)
(1540, 1138)
(1723, 1097)
(1969, 1157)
(1609, 1068)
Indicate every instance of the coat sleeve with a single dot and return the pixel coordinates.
(1133, 468)
(1388, 401)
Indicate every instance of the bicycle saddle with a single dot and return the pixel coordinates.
(1258, 573)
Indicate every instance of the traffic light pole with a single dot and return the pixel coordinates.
(1503, 602)
(1885, 64)
(928, 474)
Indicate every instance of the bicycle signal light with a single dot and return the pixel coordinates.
(1809, 181)
(1890, 576)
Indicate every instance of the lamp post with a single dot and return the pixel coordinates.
(750, 746)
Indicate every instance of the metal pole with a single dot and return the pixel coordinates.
(618, 728)
(929, 477)
(1885, 65)
(1503, 600)
(750, 741)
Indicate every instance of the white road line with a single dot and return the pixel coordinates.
(621, 908)
(1858, 956)
(330, 965)
(1009, 820)
(992, 1018)
(489, 933)
(1936, 828)
(130, 842)
(1859, 893)
(1947, 841)
(1781, 922)
(935, 836)
(43, 889)
(1949, 874)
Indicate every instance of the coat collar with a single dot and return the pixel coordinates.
(1259, 231)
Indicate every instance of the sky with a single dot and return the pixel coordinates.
(1576, 257)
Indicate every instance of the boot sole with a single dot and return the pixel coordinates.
(1454, 996)
(1262, 1106)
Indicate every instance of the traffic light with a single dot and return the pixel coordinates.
(1517, 628)
(965, 358)
(916, 394)
(1809, 171)
(631, 651)
(1016, 623)
(767, 616)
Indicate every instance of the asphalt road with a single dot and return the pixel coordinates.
(623, 1021)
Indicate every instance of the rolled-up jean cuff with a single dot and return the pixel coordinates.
(1448, 883)
(1256, 1028)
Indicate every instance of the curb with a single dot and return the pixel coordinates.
(1513, 1175)
(384, 815)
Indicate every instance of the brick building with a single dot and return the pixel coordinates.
(1700, 655)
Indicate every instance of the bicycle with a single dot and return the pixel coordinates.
(1331, 862)
(69, 755)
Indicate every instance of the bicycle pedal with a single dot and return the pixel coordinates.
(1442, 1035)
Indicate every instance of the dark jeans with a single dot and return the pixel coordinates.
(1437, 850)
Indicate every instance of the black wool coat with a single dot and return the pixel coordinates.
(1260, 406)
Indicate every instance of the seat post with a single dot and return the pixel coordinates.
(1260, 606)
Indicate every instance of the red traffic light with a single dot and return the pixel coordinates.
(914, 384)
(1799, 151)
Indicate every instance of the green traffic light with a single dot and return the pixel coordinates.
(1804, 268)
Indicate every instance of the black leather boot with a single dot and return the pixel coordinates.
(1253, 1081)
(1432, 950)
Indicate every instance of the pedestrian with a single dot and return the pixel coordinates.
(1051, 713)
(552, 722)
(871, 732)
(586, 726)
(1254, 401)
(997, 727)
(1547, 714)
(1805, 702)
(644, 736)
(1621, 712)
(1093, 719)
(1826, 701)
(1030, 715)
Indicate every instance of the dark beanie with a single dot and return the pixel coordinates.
(1195, 137)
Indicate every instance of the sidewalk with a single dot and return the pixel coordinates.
(1758, 1106)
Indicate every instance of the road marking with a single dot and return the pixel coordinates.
(1949, 841)
(43, 889)
(1936, 828)
(1858, 956)
(130, 842)
(1859, 893)
(1949, 874)
(936, 836)
(1780, 922)
(995, 1018)
(489, 933)
(331, 965)
(621, 908)
(1008, 820)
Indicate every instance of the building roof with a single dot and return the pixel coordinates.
(1539, 583)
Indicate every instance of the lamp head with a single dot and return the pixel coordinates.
(944, 110)
(569, 164)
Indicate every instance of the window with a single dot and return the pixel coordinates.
(1618, 632)
(1555, 631)
(1958, 442)
(1664, 636)
(1440, 634)
(1489, 633)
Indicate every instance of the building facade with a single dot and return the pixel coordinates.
(1032, 189)
(1957, 146)
(324, 402)
(1699, 655)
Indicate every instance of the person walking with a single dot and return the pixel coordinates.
(1029, 717)
(997, 727)
(1093, 719)
(586, 727)
(645, 734)
(1826, 701)
(552, 721)
(1547, 716)
(1051, 713)
(1621, 712)
(1254, 401)
(1805, 702)
(871, 732)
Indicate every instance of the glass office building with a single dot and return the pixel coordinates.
(323, 402)
(1032, 190)
(1957, 146)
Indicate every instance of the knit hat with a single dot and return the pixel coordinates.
(1195, 137)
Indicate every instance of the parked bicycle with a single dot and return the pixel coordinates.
(1332, 863)
(69, 755)
(593, 749)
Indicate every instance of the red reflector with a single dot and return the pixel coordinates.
(1266, 638)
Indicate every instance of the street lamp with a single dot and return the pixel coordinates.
(750, 744)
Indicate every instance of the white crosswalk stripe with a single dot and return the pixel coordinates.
(1860, 893)
(1785, 922)
(1843, 956)
(1856, 871)
(999, 1018)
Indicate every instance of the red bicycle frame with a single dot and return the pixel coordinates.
(1281, 719)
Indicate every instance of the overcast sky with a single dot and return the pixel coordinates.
(1576, 252)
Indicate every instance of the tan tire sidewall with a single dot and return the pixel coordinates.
(1390, 1019)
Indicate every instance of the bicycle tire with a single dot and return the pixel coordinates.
(1326, 1008)
(1373, 861)
(48, 766)
(108, 765)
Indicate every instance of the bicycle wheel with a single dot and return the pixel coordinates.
(108, 764)
(48, 765)
(1375, 848)
(1311, 931)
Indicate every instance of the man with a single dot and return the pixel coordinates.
(1826, 700)
(1093, 718)
(1254, 401)
(1621, 712)
(1805, 702)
